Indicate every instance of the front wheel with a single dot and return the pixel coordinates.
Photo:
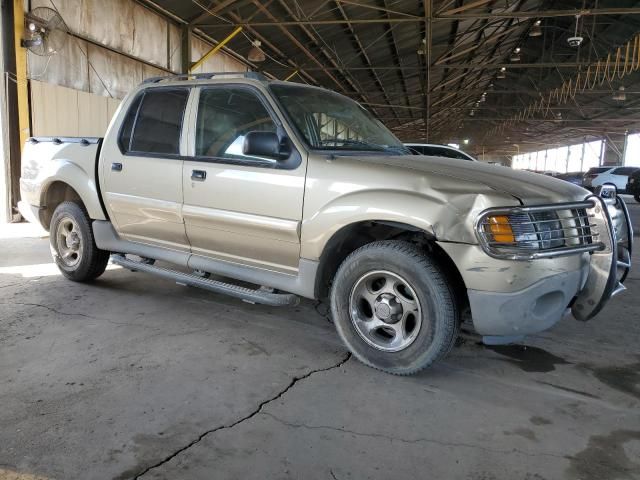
(393, 307)
(72, 244)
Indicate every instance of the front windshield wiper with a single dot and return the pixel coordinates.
(362, 143)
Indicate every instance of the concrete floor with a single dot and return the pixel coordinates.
(135, 377)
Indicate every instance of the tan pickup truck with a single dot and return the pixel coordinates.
(270, 190)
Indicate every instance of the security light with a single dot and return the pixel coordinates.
(620, 95)
(256, 55)
(536, 30)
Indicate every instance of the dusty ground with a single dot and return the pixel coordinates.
(135, 377)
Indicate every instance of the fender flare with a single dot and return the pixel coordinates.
(83, 184)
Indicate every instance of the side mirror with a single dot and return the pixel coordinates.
(606, 191)
(265, 144)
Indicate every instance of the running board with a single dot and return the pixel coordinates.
(243, 293)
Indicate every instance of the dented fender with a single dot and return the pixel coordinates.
(339, 193)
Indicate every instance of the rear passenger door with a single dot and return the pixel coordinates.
(142, 171)
(238, 208)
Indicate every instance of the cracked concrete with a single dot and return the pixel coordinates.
(257, 411)
(135, 377)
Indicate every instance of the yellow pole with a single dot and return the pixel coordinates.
(295, 72)
(215, 49)
(21, 72)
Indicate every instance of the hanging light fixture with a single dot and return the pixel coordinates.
(502, 73)
(620, 95)
(536, 30)
(515, 56)
(256, 55)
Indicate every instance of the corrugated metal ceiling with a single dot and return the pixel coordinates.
(422, 66)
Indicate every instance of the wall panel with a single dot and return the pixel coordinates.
(61, 111)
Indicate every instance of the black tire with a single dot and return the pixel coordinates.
(637, 197)
(439, 318)
(89, 262)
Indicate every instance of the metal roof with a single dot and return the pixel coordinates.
(422, 66)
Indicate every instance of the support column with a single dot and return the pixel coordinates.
(14, 98)
(186, 49)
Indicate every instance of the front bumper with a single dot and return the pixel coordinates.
(585, 289)
(530, 310)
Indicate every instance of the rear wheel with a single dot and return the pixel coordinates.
(393, 307)
(72, 244)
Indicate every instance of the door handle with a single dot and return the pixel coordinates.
(116, 167)
(198, 175)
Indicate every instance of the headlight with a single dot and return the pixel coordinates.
(524, 233)
(537, 231)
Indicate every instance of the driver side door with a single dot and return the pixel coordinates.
(238, 208)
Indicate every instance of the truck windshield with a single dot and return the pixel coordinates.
(329, 121)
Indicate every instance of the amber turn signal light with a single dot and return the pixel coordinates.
(501, 229)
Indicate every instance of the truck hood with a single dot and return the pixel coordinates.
(530, 188)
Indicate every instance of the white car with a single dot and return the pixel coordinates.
(438, 151)
(597, 176)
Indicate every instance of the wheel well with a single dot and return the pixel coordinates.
(356, 235)
(55, 194)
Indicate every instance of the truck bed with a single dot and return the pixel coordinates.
(72, 160)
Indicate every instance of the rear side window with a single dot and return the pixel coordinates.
(124, 141)
(598, 170)
(154, 122)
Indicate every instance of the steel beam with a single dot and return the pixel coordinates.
(215, 49)
(440, 18)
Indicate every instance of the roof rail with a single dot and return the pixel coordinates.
(204, 76)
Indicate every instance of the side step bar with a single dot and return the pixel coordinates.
(243, 293)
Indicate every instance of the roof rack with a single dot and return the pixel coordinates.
(205, 76)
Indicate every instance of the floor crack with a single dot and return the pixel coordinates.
(51, 309)
(410, 441)
(249, 416)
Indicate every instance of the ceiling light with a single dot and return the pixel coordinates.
(536, 31)
(256, 55)
(32, 27)
(515, 56)
(620, 95)
(502, 73)
(466, 141)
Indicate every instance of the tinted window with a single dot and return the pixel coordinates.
(417, 150)
(225, 116)
(159, 121)
(624, 171)
(449, 153)
(598, 170)
(127, 126)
